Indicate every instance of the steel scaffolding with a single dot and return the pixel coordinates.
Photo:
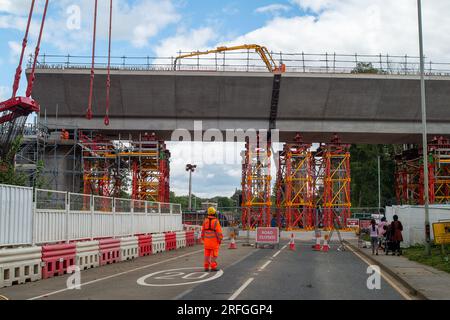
(409, 178)
(150, 167)
(256, 178)
(295, 185)
(336, 184)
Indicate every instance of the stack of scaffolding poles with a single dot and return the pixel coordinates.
(409, 177)
(256, 178)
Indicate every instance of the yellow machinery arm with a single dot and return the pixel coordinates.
(262, 51)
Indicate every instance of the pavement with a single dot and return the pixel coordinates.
(421, 281)
(246, 274)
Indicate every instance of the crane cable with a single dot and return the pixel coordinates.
(108, 79)
(24, 45)
(91, 85)
(32, 77)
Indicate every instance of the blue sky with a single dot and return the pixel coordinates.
(162, 27)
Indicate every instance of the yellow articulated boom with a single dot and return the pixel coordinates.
(262, 51)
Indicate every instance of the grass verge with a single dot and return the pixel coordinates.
(435, 260)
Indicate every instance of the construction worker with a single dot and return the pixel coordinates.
(212, 238)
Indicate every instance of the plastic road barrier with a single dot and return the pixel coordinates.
(20, 265)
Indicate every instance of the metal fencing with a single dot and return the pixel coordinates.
(248, 61)
(55, 216)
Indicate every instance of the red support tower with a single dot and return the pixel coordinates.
(337, 179)
(256, 177)
(150, 169)
(100, 176)
(295, 187)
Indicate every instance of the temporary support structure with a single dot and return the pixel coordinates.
(256, 178)
(100, 174)
(336, 193)
(409, 178)
(150, 169)
(295, 187)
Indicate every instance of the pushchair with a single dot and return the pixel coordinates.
(389, 245)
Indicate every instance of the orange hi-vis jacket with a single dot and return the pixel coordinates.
(211, 233)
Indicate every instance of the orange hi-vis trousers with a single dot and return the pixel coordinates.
(211, 258)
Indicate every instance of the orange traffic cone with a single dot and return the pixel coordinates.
(292, 243)
(317, 246)
(232, 243)
(325, 246)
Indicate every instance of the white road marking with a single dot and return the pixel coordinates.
(116, 275)
(141, 280)
(279, 251)
(264, 265)
(387, 279)
(242, 288)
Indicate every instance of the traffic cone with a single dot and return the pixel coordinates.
(232, 243)
(292, 243)
(317, 246)
(325, 246)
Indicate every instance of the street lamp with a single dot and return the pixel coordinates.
(424, 133)
(191, 168)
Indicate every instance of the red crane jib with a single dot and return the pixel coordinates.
(17, 107)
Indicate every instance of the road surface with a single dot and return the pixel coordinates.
(246, 273)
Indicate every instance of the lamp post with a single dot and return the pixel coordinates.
(424, 133)
(191, 168)
(379, 186)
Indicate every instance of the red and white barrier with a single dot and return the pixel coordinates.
(20, 265)
(109, 251)
(158, 243)
(129, 248)
(145, 245)
(171, 241)
(87, 254)
(56, 258)
(190, 238)
(181, 239)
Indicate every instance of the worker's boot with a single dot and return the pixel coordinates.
(214, 267)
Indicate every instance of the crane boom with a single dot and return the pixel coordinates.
(265, 55)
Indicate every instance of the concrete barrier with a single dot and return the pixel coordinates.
(20, 265)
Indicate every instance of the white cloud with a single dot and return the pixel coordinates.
(193, 40)
(136, 22)
(363, 26)
(314, 5)
(4, 93)
(273, 8)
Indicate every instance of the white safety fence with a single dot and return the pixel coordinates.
(413, 221)
(57, 216)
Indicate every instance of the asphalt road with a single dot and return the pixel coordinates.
(247, 273)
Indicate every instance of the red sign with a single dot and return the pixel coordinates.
(267, 235)
(352, 223)
(364, 224)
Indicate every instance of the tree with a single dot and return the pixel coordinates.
(8, 173)
(364, 173)
(365, 67)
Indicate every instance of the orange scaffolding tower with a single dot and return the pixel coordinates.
(256, 179)
(150, 161)
(336, 183)
(409, 178)
(101, 176)
(295, 185)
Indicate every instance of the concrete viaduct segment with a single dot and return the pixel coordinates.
(361, 108)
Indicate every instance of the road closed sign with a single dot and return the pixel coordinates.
(267, 235)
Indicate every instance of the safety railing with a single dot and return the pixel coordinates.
(248, 61)
(49, 216)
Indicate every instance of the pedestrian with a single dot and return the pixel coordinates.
(382, 228)
(212, 238)
(396, 234)
(374, 236)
